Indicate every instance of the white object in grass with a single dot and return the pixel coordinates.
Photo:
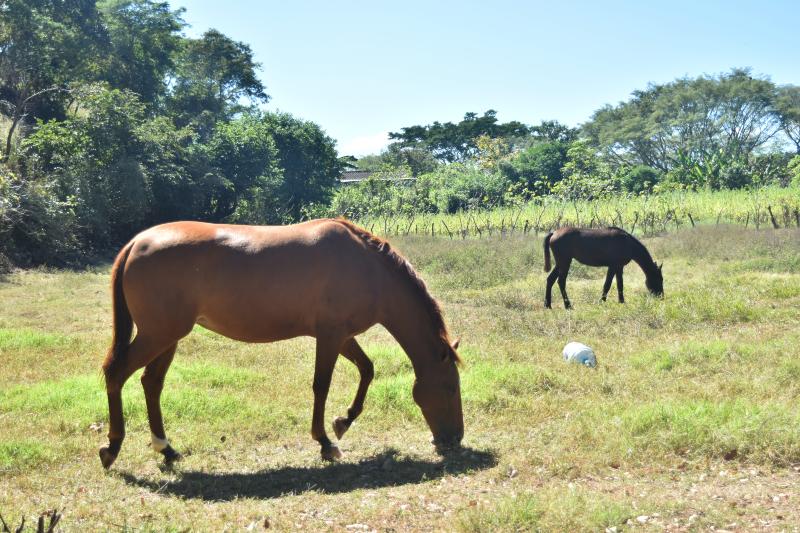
(576, 352)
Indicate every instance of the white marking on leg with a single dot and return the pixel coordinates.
(158, 444)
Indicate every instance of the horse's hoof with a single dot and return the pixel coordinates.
(547, 306)
(107, 457)
(170, 455)
(331, 453)
(340, 426)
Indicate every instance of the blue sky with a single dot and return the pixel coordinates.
(361, 69)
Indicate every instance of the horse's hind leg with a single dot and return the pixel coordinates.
(563, 271)
(619, 286)
(548, 295)
(153, 383)
(142, 350)
(327, 353)
(607, 284)
(352, 351)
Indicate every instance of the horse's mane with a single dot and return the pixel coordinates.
(645, 253)
(401, 265)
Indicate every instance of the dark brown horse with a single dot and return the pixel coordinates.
(327, 279)
(610, 247)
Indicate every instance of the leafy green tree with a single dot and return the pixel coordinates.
(787, 104)
(641, 179)
(586, 174)
(213, 76)
(688, 122)
(246, 172)
(794, 170)
(554, 131)
(417, 160)
(93, 157)
(45, 45)
(144, 38)
(308, 160)
(537, 167)
(450, 142)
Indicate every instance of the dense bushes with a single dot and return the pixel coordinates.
(448, 189)
(537, 167)
(87, 183)
(127, 122)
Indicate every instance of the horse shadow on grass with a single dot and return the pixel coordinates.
(385, 469)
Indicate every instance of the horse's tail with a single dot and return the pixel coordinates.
(547, 251)
(123, 322)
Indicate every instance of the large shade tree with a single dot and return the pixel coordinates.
(689, 121)
(451, 142)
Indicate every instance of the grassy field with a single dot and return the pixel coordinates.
(690, 422)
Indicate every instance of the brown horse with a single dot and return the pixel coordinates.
(327, 279)
(610, 247)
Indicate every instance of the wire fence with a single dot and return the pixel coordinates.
(642, 215)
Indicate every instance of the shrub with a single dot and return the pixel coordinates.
(640, 178)
(538, 167)
(458, 186)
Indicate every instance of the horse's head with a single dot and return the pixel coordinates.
(655, 281)
(438, 394)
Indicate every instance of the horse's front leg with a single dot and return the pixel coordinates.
(620, 287)
(607, 284)
(353, 352)
(327, 353)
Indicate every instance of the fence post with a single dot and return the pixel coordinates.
(772, 218)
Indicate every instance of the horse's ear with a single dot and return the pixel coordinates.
(455, 343)
(661, 265)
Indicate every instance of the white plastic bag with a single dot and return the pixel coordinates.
(576, 352)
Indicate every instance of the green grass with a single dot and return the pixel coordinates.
(20, 454)
(16, 339)
(691, 412)
(565, 510)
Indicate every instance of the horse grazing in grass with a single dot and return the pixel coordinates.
(610, 247)
(327, 279)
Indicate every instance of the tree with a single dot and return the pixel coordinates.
(552, 130)
(45, 45)
(787, 104)
(586, 175)
(538, 167)
(640, 178)
(417, 160)
(450, 142)
(308, 160)
(213, 75)
(144, 37)
(246, 172)
(691, 121)
(93, 157)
